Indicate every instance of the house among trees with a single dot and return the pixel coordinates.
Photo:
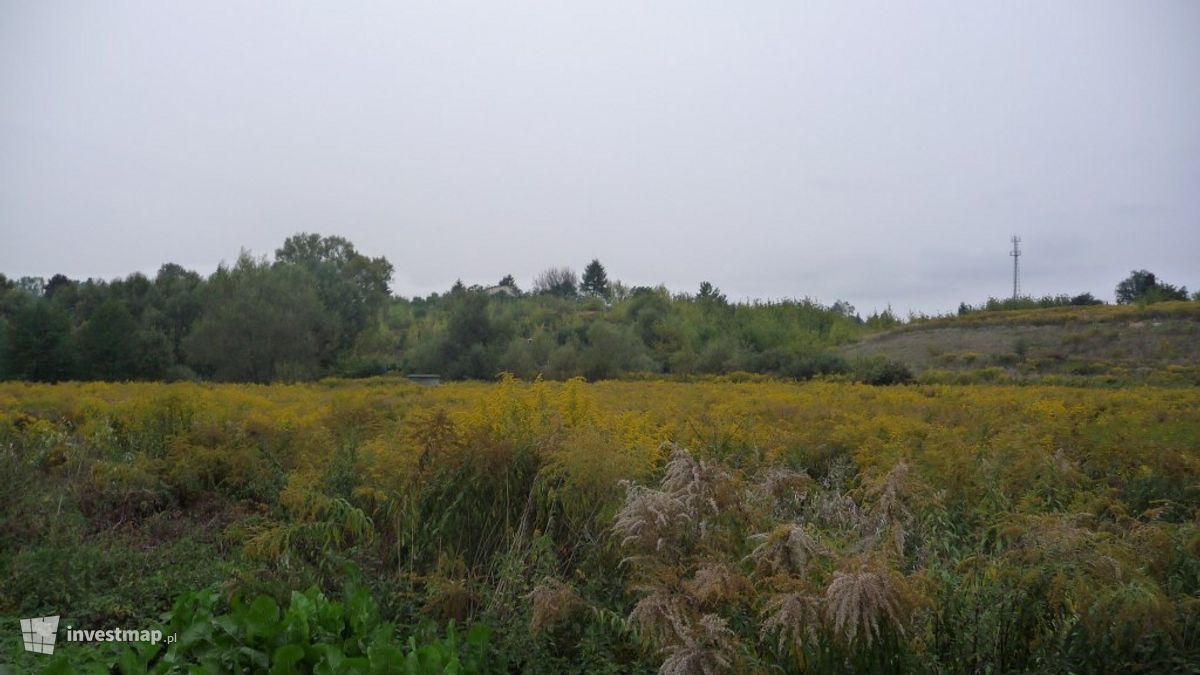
(502, 289)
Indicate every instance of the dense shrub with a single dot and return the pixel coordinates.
(880, 370)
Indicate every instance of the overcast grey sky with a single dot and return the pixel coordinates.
(872, 151)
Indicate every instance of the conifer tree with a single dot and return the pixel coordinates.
(595, 279)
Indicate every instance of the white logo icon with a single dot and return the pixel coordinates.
(39, 633)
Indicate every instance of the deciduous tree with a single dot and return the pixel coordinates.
(560, 281)
(36, 344)
(1143, 286)
(261, 323)
(350, 285)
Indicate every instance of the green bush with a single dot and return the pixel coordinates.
(880, 370)
(312, 634)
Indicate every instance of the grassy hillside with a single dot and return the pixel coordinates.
(1157, 344)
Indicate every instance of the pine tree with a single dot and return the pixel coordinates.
(595, 279)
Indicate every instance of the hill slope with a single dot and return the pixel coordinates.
(1158, 344)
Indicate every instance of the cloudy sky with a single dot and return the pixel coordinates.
(878, 152)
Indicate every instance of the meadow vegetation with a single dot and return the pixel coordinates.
(715, 526)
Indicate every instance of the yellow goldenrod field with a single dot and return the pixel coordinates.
(643, 525)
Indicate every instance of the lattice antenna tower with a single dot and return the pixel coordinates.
(1016, 256)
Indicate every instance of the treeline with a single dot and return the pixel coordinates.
(1141, 287)
(1029, 302)
(321, 308)
(471, 334)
